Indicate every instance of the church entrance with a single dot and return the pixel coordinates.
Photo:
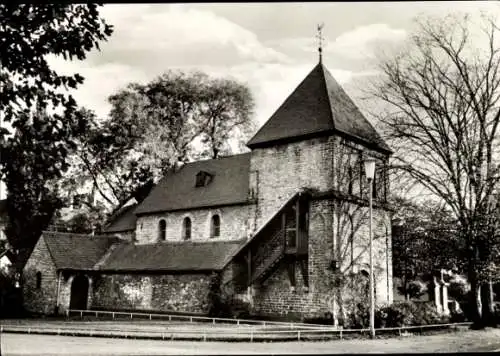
(79, 293)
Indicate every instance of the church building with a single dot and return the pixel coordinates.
(284, 227)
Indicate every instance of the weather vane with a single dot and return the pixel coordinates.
(320, 41)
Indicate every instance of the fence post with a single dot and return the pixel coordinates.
(113, 316)
(341, 334)
(130, 315)
(251, 335)
(205, 336)
(170, 318)
(213, 320)
(298, 335)
(149, 316)
(191, 319)
(81, 314)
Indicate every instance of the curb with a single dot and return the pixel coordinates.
(171, 336)
(289, 336)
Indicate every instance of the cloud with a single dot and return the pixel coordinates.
(163, 35)
(360, 43)
(151, 39)
(100, 81)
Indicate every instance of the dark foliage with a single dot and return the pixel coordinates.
(35, 155)
(396, 315)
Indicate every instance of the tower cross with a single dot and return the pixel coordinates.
(320, 38)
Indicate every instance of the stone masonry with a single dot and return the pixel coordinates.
(233, 224)
(177, 293)
(338, 229)
(40, 300)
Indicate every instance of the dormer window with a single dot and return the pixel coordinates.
(203, 179)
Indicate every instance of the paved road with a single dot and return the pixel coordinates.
(24, 344)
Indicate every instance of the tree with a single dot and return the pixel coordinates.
(423, 241)
(30, 33)
(444, 118)
(33, 159)
(44, 119)
(154, 127)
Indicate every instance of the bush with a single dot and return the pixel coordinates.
(459, 288)
(359, 317)
(325, 319)
(416, 289)
(396, 315)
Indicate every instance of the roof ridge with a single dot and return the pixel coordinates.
(215, 159)
(325, 88)
(44, 232)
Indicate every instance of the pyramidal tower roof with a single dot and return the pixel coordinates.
(318, 106)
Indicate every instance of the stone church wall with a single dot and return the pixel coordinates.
(338, 228)
(40, 300)
(275, 296)
(283, 170)
(168, 293)
(233, 224)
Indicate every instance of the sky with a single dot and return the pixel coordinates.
(268, 46)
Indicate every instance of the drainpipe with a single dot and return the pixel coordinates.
(59, 273)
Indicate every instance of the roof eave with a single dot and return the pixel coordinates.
(211, 206)
(328, 132)
(284, 140)
(365, 142)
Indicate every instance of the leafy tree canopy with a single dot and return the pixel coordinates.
(156, 126)
(45, 120)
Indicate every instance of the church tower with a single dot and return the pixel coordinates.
(316, 142)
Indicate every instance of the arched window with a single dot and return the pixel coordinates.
(186, 227)
(162, 230)
(38, 280)
(215, 226)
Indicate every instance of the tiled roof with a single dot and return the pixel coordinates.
(318, 105)
(124, 220)
(76, 251)
(170, 256)
(177, 191)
